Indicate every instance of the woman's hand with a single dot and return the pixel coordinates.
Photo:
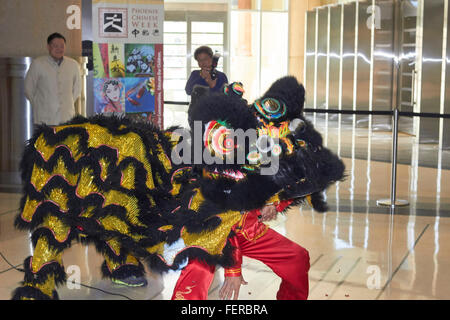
(205, 74)
(231, 287)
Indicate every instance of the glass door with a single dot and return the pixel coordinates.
(406, 91)
(183, 33)
(407, 67)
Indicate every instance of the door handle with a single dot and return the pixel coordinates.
(413, 87)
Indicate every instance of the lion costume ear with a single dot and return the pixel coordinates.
(230, 109)
(286, 92)
(197, 92)
(234, 88)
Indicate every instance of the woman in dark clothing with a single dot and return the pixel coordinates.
(202, 77)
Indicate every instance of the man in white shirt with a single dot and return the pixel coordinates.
(53, 83)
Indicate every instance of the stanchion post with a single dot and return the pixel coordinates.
(394, 158)
(393, 200)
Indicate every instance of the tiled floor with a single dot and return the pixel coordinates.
(358, 250)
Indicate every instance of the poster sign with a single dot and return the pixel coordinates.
(128, 58)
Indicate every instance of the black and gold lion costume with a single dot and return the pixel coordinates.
(113, 182)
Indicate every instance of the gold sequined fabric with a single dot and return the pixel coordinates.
(196, 200)
(43, 255)
(128, 145)
(59, 229)
(213, 241)
(46, 287)
(114, 171)
(113, 265)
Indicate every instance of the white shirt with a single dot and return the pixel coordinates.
(52, 89)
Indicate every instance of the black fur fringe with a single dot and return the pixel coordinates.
(123, 272)
(27, 292)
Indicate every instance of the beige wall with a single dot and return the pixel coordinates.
(297, 11)
(31, 21)
(26, 25)
(196, 7)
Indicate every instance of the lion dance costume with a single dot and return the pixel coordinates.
(120, 185)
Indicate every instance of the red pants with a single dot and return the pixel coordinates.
(286, 258)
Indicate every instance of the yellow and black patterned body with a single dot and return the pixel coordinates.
(110, 182)
(115, 183)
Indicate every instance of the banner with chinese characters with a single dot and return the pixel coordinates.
(128, 58)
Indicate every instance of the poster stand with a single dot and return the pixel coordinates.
(127, 54)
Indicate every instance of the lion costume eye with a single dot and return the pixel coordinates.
(270, 108)
(218, 139)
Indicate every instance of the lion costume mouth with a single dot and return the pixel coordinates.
(235, 175)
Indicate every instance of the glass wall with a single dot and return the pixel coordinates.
(274, 47)
(175, 65)
(183, 33)
(244, 50)
(251, 35)
(185, 29)
(207, 33)
(258, 44)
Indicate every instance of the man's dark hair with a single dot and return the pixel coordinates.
(55, 35)
(203, 49)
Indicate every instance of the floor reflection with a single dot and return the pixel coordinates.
(358, 250)
(370, 150)
(405, 242)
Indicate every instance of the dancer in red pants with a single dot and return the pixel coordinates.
(255, 240)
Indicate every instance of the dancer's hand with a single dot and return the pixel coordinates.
(231, 287)
(268, 213)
